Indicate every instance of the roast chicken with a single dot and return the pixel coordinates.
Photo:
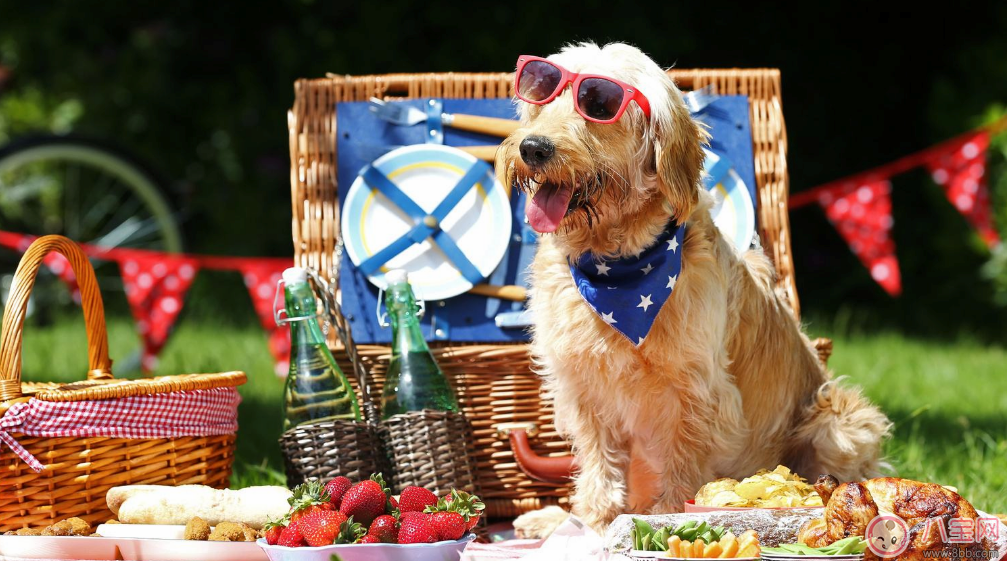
(850, 507)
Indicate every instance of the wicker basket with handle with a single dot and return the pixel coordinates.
(499, 392)
(77, 471)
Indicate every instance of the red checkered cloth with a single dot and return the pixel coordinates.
(209, 412)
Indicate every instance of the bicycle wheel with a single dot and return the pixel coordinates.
(86, 191)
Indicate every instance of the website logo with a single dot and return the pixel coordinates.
(887, 536)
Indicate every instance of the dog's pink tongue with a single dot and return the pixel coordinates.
(547, 208)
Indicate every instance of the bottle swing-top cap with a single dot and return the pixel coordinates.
(396, 276)
(295, 275)
(292, 277)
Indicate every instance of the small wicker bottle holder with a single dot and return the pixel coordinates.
(431, 449)
(336, 448)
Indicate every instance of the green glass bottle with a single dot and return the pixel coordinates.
(414, 381)
(316, 389)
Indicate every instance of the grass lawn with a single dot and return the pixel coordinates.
(948, 399)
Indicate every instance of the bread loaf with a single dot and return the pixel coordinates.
(157, 504)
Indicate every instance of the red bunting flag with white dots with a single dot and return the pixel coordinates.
(155, 288)
(862, 213)
(262, 279)
(961, 172)
(156, 283)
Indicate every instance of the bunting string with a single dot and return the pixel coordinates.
(156, 283)
(860, 205)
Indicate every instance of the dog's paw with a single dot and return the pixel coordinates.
(539, 524)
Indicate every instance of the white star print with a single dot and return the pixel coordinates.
(607, 318)
(672, 281)
(639, 341)
(646, 270)
(645, 302)
(602, 268)
(673, 245)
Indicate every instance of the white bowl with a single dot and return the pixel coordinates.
(440, 551)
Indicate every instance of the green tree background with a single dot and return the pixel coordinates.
(200, 90)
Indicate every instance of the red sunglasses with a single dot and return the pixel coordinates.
(599, 99)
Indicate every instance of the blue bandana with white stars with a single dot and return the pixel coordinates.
(628, 293)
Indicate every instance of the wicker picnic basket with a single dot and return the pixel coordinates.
(495, 384)
(76, 472)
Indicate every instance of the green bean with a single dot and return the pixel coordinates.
(846, 546)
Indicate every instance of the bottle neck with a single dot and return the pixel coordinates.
(300, 303)
(405, 319)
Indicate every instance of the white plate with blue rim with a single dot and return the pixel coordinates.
(733, 210)
(479, 224)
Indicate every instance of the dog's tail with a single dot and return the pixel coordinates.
(841, 434)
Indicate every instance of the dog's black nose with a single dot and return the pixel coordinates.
(536, 150)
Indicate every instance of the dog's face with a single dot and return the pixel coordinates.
(583, 176)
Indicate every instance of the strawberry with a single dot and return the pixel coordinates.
(366, 500)
(385, 528)
(271, 531)
(406, 515)
(415, 499)
(291, 537)
(336, 489)
(321, 527)
(392, 507)
(370, 538)
(307, 498)
(307, 511)
(417, 529)
(469, 506)
(449, 525)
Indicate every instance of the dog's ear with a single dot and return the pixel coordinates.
(677, 141)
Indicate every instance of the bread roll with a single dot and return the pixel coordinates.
(158, 504)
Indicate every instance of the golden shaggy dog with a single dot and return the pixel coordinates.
(724, 383)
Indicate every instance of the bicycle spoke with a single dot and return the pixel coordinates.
(103, 185)
(120, 233)
(125, 210)
(102, 213)
(147, 231)
(71, 205)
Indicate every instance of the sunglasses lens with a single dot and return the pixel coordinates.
(599, 98)
(538, 80)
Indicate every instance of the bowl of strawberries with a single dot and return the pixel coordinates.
(363, 521)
